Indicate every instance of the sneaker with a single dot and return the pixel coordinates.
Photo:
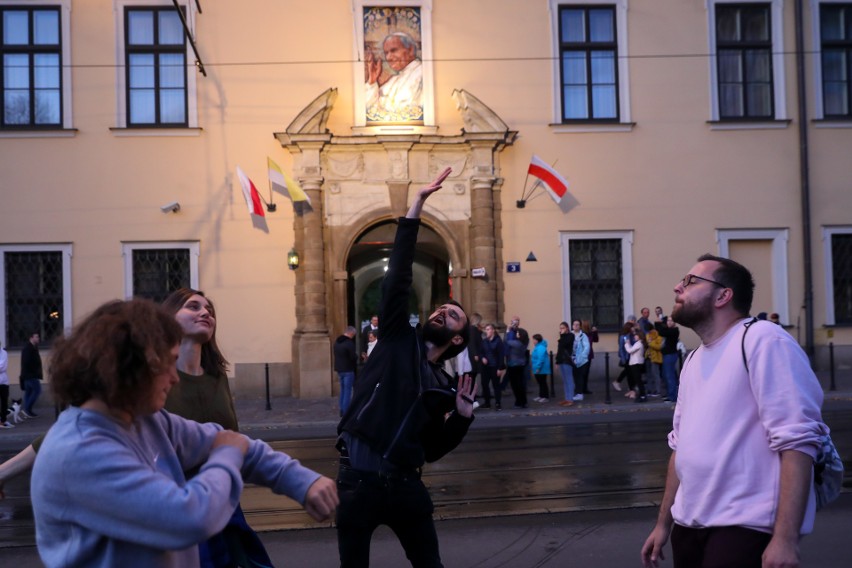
(578, 397)
(616, 386)
(28, 415)
(7, 425)
(566, 403)
(654, 395)
(641, 399)
(537, 399)
(543, 400)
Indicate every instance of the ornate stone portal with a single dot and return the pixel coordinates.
(358, 182)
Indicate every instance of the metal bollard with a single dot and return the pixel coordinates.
(607, 397)
(832, 386)
(268, 402)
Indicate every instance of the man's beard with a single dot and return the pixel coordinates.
(437, 335)
(692, 315)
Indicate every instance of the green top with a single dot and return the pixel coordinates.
(203, 398)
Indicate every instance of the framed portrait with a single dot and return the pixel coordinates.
(393, 65)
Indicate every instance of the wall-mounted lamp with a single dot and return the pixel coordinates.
(293, 259)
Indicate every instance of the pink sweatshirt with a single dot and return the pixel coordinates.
(730, 425)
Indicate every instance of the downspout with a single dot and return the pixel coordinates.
(804, 180)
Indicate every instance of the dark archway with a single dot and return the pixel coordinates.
(366, 266)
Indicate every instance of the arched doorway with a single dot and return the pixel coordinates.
(367, 262)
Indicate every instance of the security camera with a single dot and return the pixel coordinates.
(172, 207)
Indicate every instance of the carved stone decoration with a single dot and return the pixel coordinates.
(476, 115)
(314, 117)
(361, 182)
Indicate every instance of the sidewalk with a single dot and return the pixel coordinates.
(291, 417)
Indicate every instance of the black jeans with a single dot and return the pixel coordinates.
(398, 500)
(489, 380)
(4, 402)
(718, 547)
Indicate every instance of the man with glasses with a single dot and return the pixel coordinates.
(745, 433)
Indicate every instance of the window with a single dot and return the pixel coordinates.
(35, 291)
(155, 52)
(595, 270)
(588, 63)
(835, 32)
(31, 58)
(155, 270)
(744, 60)
(837, 242)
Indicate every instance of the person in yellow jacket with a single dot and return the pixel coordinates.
(654, 354)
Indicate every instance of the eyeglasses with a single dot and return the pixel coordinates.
(691, 278)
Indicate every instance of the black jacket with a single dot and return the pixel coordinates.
(387, 410)
(345, 357)
(30, 362)
(565, 348)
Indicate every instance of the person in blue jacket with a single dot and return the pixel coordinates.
(540, 362)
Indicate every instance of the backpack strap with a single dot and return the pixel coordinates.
(747, 325)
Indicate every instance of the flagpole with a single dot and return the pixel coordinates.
(271, 207)
(535, 186)
(522, 202)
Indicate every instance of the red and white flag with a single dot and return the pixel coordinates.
(555, 184)
(255, 206)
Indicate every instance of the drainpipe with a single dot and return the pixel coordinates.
(804, 179)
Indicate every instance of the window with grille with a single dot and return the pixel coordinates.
(34, 294)
(836, 53)
(744, 61)
(159, 272)
(155, 63)
(31, 66)
(588, 47)
(841, 260)
(596, 276)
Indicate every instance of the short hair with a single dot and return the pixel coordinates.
(350, 329)
(212, 360)
(475, 318)
(452, 350)
(538, 337)
(114, 354)
(565, 323)
(735, 276)
(406, 40)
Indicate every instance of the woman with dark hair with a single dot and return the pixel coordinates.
(109, 486)
(635, 344)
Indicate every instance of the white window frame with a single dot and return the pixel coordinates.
(779, 86)
(67, 252)
(65, 25)
(816, 62)
(127, 249)
(827, 233)
(623, 68)
(779, 268)
(626, 238)
(121, 74)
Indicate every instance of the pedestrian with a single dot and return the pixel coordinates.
(592, 333)
(540, 361)
(564, 354)
(405, 411)
(493, 358)
(636, 345)
(4, 389)
(109, 486)
(345, 362)
(31, 374)
(516, 341)
(371, 327)
(654, 355)
(580, 360)
(671, 334)
(745, 432)
(624, 356)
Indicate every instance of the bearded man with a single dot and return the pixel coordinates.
(405, 411)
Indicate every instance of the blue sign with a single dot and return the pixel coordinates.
(513, 267)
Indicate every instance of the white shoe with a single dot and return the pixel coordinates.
(7, 425)
(475, 404)
(616, 386)
(542, 400)
(578, 397)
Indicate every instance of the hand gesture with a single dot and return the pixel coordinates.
(372, 67)
(321, 499)
(465, 396)
(423, 194)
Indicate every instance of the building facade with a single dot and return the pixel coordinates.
(682, 127)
